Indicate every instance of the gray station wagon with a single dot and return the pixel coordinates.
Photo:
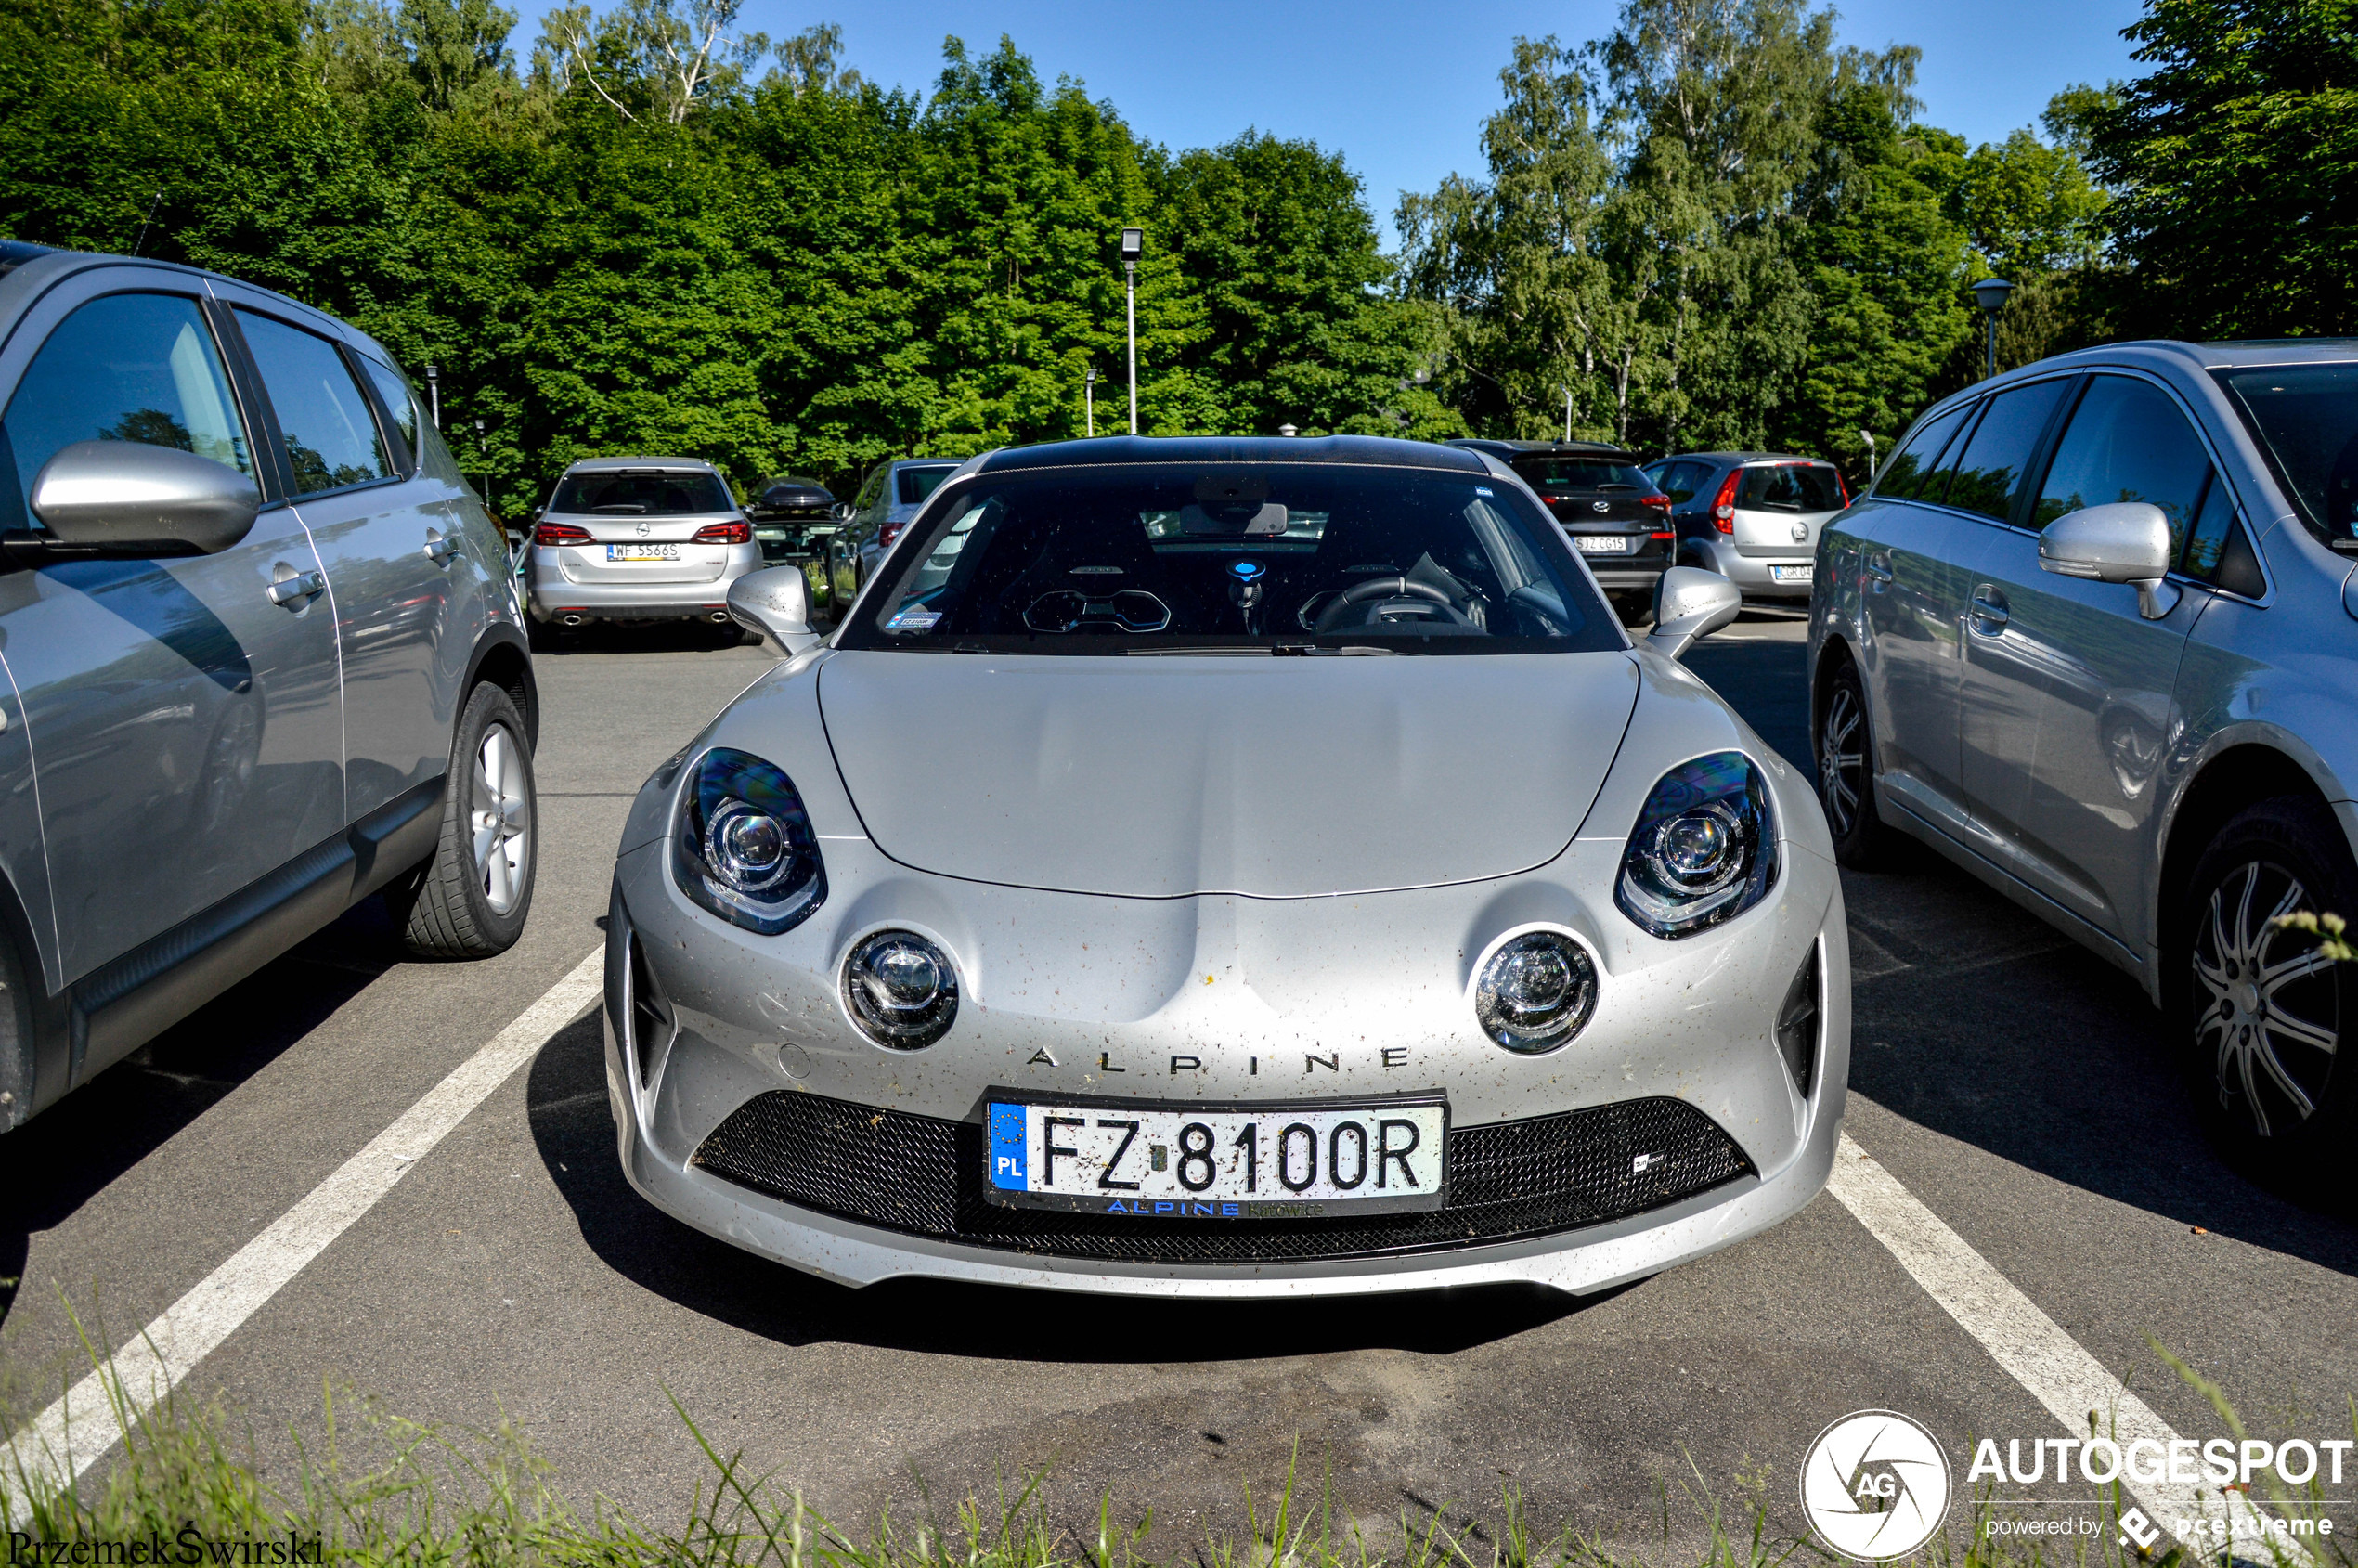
(260, 658)
(2091, 636)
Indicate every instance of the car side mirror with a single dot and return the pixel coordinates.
(2118, 542)
(124, 498)
(843, 511)
(775, 602)
(1690, 604)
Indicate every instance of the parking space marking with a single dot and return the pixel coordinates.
(75, 1433)
(2032, 1348)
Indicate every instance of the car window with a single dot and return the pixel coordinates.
(1790, 486)
(2218, 550)
(331, 437)
(2126, 442)
(138, 367)
(400, 403)
(870, 488)
(1679, 481)
(1170, 558)
(1564, 476)
(915, 484)
(2305, 419)
(1903, 477)
(626, 493)
(1989, 474)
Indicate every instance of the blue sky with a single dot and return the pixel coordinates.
(1401, 88)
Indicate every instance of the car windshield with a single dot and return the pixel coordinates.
(1563, 476)
(1790, 487)
(2305, 418)
(640, 494)
(1275, 558)
(916, 484)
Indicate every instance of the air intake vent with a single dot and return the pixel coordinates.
(1507, 1180)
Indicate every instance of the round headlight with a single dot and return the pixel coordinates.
(1704, 849)
(900, 989)
(1701, 850)
(1536, 992)
(744, 848)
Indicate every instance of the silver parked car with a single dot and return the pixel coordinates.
(263, 658)
(873, 519)
(636, 539)
(1752, 517)
(1142, 907)
(2089, 635)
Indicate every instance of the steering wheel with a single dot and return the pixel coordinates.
(1332, 617)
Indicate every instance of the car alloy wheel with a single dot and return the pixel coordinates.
(501, 818)
(1842, 758)
(2269, 1008)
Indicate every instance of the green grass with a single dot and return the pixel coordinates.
(372, 1487)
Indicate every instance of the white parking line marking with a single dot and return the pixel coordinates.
(2032, 1347)
(75, 1433)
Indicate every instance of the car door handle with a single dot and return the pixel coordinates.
(1989, 610)
(1878, 565)
(296, 589)
(440, 550)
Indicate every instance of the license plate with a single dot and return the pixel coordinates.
(643, 552)
(1206, 1162)
(1600, 544)
(1791, 574)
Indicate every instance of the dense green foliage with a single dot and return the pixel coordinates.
(2236, 157)
(1715, 229)
(634, 243)
(1711, 228)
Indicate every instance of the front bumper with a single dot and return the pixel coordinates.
(1097, 996)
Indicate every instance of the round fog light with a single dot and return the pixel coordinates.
(1536, 992)
(900, 989)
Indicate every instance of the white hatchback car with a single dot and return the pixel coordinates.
(637, 539)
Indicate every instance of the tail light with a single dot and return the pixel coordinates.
(724, 533)
(1723, 505)
(559, 533)
(1665, 533)
(1659, 502)
(887, 533)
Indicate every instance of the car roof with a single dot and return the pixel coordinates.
(1545, 448)
(35, 268)
(1209, 451)
(642, 465)
(1743, 458)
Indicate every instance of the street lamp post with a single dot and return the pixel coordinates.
(433, 394)
(1088, 394)
(1567, 416)
(1991, 292)
(1133, 245)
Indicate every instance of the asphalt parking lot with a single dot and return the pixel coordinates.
(2009, 1080)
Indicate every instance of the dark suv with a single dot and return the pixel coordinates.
(1616, 517)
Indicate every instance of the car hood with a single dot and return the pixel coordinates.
(1270, 777)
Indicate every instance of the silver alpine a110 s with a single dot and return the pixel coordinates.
(1228, 868)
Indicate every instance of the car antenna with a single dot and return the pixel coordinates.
(142, 240)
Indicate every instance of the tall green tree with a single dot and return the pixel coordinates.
(2236, 160)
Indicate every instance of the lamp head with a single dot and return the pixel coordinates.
(1991, 292)
(1133, 244)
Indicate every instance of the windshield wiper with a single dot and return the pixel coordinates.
(1312, 650)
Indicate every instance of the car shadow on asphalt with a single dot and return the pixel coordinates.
(650, 637)
(69, 1153)
(572, 1129)
(1975, 1019)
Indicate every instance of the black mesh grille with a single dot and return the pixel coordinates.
(1511, 1179)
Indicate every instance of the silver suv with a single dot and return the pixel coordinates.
(637, 539)
(260, 658)
(2091, 636)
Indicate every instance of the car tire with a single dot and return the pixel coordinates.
(1843, 744)
(2256, 1012)
(471, 900)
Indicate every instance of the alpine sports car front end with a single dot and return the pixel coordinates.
(1260, 868)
